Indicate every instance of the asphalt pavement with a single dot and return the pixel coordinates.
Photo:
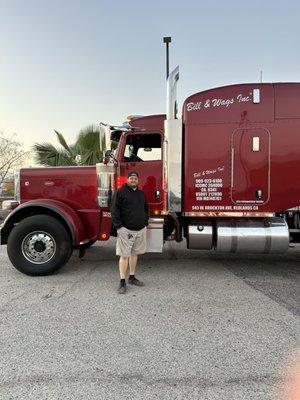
(205, 326)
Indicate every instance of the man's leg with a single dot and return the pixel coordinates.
(132, 263)
(123, 265)
(123, 248)
(139, 247)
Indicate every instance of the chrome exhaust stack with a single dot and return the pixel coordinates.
(172, 154)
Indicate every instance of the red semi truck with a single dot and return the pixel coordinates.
(222, 176)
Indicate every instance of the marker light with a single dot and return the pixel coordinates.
(131, 117)
(120, 181)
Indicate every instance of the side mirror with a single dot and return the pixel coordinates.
(109, 157)
(109, 153)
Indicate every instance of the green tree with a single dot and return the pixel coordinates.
(85, 151)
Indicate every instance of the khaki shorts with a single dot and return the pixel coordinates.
(129, 241)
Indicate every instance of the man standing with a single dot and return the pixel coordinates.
(129, 212)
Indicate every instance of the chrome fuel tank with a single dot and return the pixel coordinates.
(269, 235)
(106, 183)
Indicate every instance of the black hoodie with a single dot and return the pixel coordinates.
(129, 208)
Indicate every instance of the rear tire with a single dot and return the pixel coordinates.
(39, 245)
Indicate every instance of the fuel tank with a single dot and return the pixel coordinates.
(257, 235)
(270, 235)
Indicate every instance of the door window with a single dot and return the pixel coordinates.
(143, 154)
(145, 147)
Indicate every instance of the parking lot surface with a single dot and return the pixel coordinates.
(205, 326)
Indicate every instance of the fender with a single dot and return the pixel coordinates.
(62, 210)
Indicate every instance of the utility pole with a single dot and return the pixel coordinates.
(167, 40)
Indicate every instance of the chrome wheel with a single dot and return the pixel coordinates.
(38, 247)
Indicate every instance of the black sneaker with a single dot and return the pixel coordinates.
(135, 281)
(122, 288)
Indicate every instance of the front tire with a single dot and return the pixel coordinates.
(39, 245)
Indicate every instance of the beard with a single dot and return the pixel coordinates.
(132, 184)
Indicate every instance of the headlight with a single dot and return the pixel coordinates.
(17, 185)
(9, 205)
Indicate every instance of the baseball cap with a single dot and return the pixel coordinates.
(132, 173)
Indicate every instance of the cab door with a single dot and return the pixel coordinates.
(142, 153)
(250, 166)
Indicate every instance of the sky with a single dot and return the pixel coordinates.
(65, 64)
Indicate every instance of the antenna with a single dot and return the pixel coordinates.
(261, 76)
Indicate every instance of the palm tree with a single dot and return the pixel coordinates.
(88, 145)
(85, 151)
